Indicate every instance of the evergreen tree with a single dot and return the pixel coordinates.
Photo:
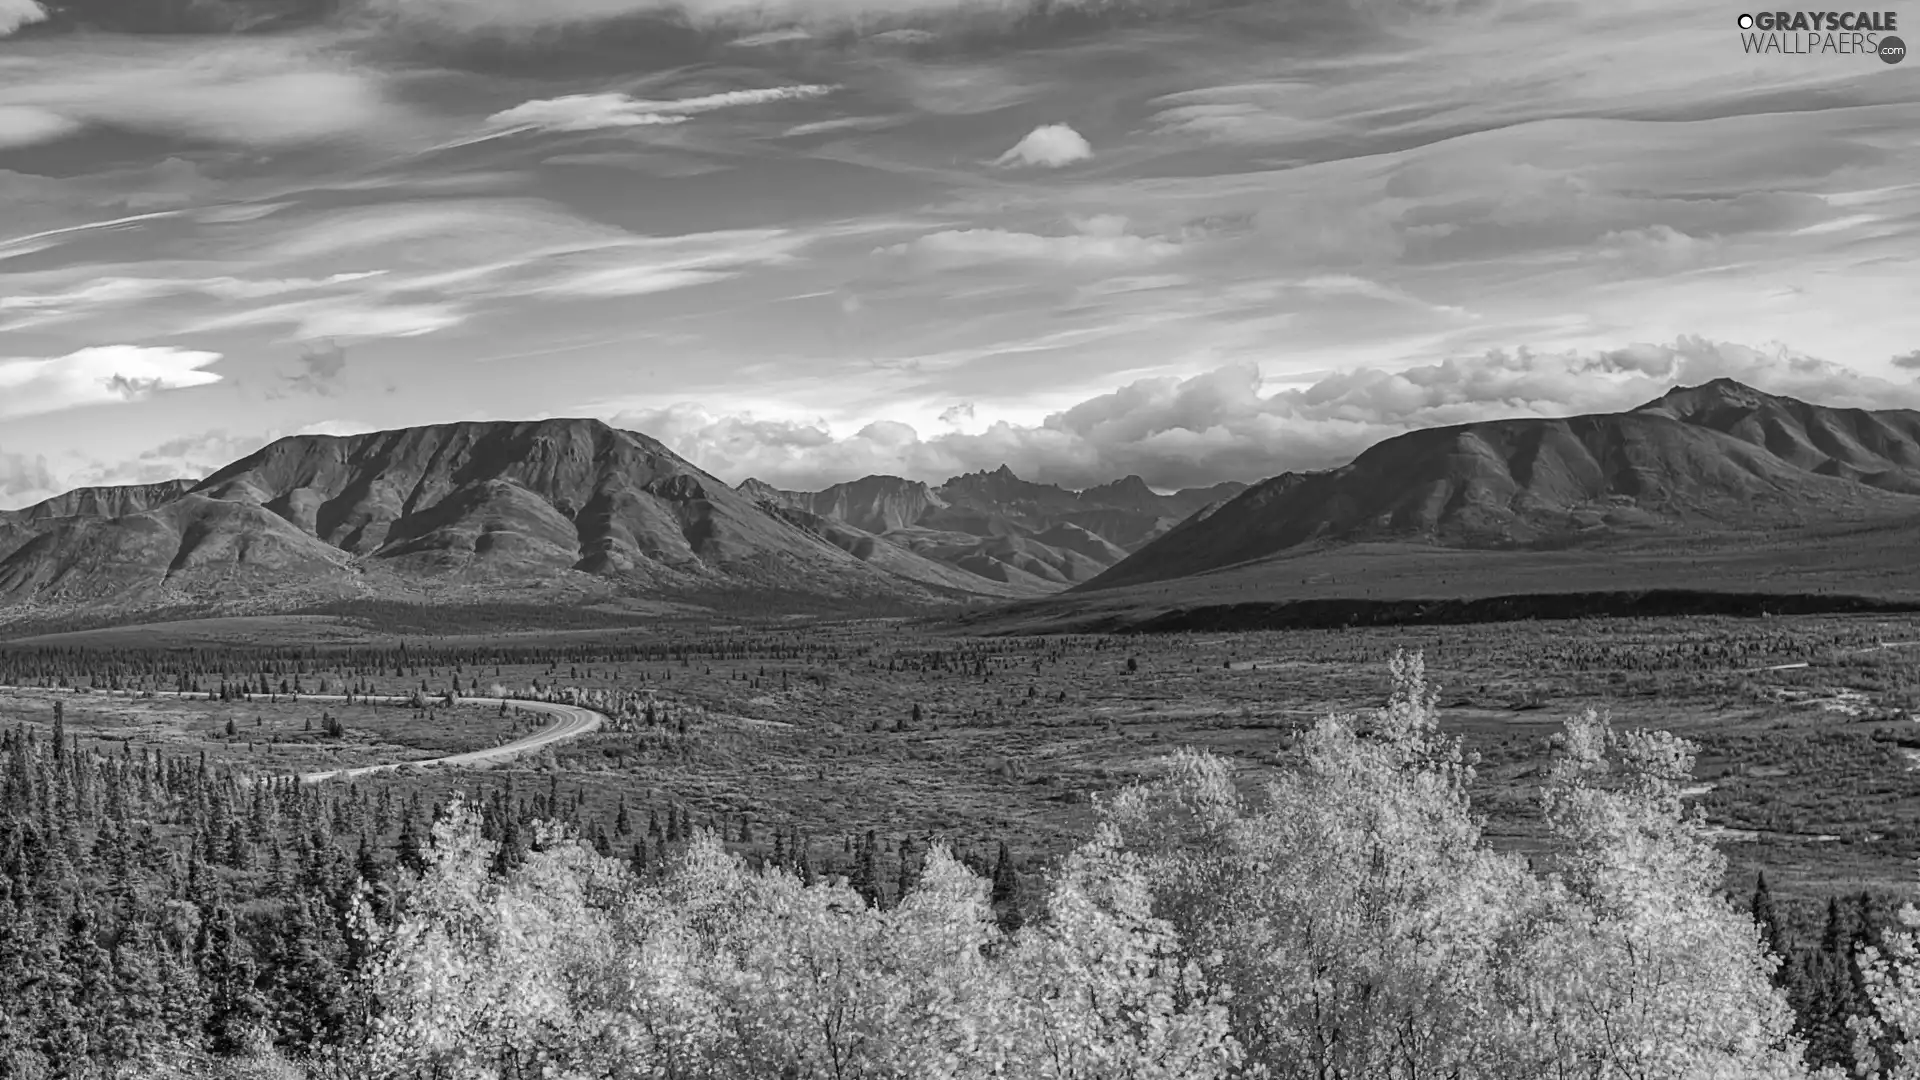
(1006, 890)
(1771, 936)
(235, 1012)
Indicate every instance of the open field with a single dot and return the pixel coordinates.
(1806, 727)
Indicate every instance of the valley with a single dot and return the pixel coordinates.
(911, 729)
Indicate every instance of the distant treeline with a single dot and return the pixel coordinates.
(197, 668)
(393, 617)
(1320, 614)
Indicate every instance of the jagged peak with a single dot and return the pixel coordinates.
(1003, 473)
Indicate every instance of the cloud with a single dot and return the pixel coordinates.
(1050, 145)
(771, 37)
(1656, 249)
(115, 294)
(1099, 244)
(957, 414)
(15, 14)
(184, 457)
(348, 317)
(100, 375)
(25, 480)
(337, 427)
(557, 24)
(391, 271)
(590, 112)
(1909, 361)
(322, 370)
(252, 92)
(21, 125)
(1227, 424)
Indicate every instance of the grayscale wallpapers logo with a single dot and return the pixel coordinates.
(1811, 33)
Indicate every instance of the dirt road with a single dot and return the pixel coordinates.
(569, 721)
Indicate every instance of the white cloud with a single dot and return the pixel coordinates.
(590, 112)
(96, 296)
(250, 92)
(1656, 249)
(1049, 145)
(47, 238)
(1099, 247)
(771, 37)
(337, 427)
(101, 375)
(345, 317)
(21, 125)
(626, 281)
(15, 14)
(1223, 424)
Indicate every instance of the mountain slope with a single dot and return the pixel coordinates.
(1699, 461)
(188, 547)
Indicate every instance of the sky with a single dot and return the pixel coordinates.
(809, 240)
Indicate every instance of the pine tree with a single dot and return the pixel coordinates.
(235, 1012)
(1761, 906)
(910, 867)
(865, 878)
(1006, 890)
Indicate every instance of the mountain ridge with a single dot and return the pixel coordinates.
(1706, 459)
(570, 505)
(576, 508)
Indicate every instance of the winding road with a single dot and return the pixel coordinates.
(570, 721)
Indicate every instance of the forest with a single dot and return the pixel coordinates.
(171, 917)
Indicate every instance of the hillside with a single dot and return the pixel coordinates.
(1716, 460)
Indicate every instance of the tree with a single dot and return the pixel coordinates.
(235, 1012)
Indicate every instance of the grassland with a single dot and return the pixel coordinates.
(270, 735)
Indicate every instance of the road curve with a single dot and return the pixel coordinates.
(571, 721)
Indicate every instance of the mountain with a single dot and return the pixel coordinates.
(1722, 459)
(471, 508)
(1879, 448)
(1025, 538)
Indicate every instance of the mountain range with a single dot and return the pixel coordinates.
(1715, 486)
(553, 509)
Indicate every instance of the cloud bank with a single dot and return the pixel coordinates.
(265, 93)
(1222, 424)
